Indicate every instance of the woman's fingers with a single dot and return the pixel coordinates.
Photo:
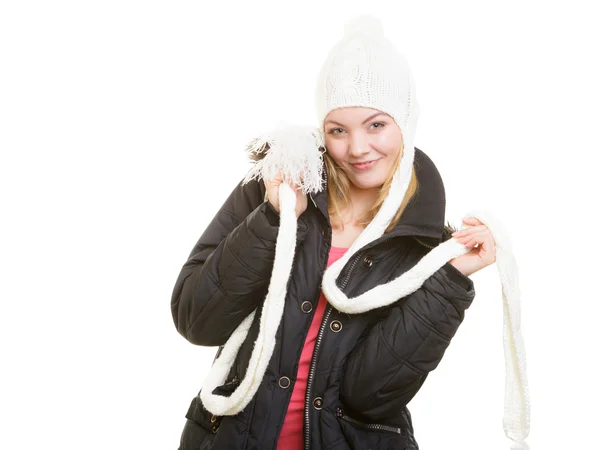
(472, 220)
(486, 247)
(472, 239)
(293, 185)
(475, 239)
(470, 230)
(278, 179)
(485, 244)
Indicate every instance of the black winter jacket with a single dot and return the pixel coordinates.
(366, 367)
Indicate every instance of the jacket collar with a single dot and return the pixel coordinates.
(423, 216)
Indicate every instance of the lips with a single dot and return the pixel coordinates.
(365, 164)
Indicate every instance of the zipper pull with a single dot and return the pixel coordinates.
(234, 381)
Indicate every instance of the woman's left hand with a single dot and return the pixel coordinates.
(479, 257)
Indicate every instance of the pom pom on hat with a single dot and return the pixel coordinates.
(365, 25)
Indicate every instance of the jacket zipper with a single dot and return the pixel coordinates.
(372, 426)
(311, 372)
(423, 243)
(311, 375)
(235, 380)
(316, 351)
(313, 361)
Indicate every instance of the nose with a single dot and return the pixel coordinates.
(359, 146)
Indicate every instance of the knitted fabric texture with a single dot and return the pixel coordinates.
(365, 69)
(296, 152)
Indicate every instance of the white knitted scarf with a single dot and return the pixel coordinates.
(294, 151)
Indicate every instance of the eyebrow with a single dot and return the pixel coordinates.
(366, 120)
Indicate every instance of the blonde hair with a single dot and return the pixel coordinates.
(338, 192)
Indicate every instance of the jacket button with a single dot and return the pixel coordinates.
(306, 307)
(368, 261)
(318, 403)
(336, 326)
(284, 382)
(213, 419)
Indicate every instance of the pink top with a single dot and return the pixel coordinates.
(291, 437)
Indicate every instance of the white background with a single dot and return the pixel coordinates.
(122, 130)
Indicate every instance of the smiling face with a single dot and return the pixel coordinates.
(364, 142)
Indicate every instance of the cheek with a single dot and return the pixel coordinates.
(336, 152)
(387, 143)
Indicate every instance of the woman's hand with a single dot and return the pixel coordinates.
(273, 195)
(479, 257)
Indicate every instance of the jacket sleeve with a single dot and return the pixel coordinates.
(388, 367)
(227, 273)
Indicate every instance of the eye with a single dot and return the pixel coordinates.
(378, 123)
(333, 130)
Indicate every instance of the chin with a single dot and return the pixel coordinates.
(371, 182)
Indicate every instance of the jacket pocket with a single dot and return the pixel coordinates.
(372, 435)
(195, 437)
(202, 426)
(227, 389)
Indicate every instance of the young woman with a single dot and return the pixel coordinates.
(335, 380)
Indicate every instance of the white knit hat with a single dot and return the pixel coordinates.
(364, 69)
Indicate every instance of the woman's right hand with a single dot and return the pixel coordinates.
(272, 187)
